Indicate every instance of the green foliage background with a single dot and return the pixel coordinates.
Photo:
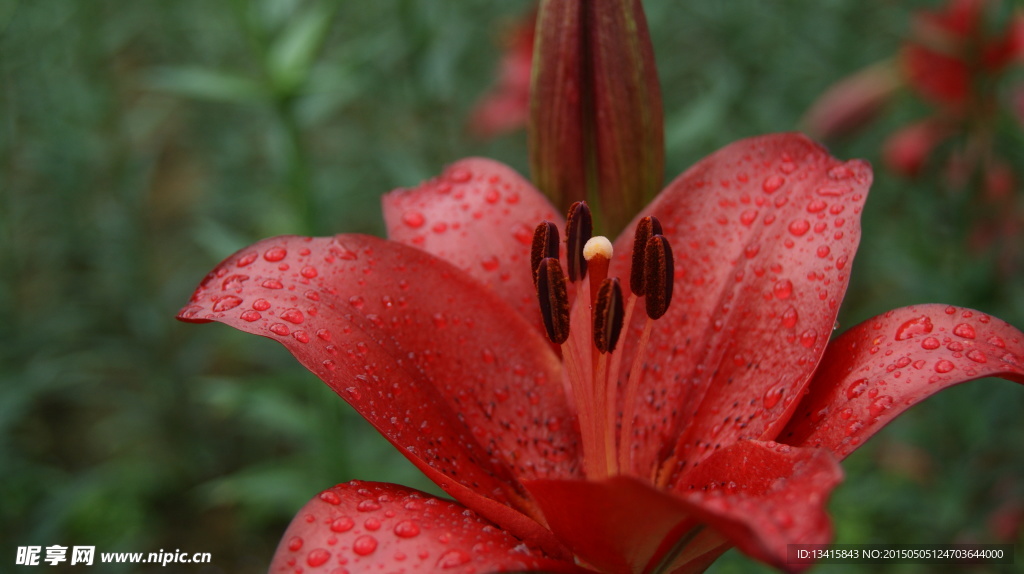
(142, 142)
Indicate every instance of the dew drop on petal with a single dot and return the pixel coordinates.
(275, 254)
(413, 219)
(407, 529)
(772, 183)
(251, 316)
(364, 545)
(930, 344)
(977, 356)
(453, 559)
(330, 497)
(317, 557)
(917, 326)
(790, 318)
(808, 338)
(964, 330)
(368, 505)
(799, 227)
(343, 524)
(856, 388)
(783, 289)
(944, 366)
(880, 405)
(280, 329)
(295, 543)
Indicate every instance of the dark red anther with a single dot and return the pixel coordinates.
(553, 298)
(579, 227)
(645, 229)
(545, 244)
(608, 315)
(659, 275)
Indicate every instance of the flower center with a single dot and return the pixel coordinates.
(588, 333)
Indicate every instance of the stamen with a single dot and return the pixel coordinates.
(545, 244)
(579, 227)
(554, 301)
(659, 275)
(608, 315)
(647, 228)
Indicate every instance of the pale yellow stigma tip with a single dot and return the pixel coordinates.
(597, 245)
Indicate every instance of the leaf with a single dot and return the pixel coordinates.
(206, 84)
(290, 57)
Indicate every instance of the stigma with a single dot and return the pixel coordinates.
(603, 387)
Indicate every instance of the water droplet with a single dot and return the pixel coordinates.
(407, 529)
(293, 316)
(491, 263)
(452, 559)
(783, 289)
(329, 365)
(226, 302)
(371, 524)
(317, 557)
(460, 175)
(880, 405)
(977, 356)
(772, 396)
(854, 428)
(368, 505)
(823, 251)
(772, 183)
(799, 227)
(748, 217)
(330, 497)
(523, 234)
(251, 316)
(997, 341)
(751, 251)
(816, 205)
(295, 543)
(309, 272)
(247, 259)
(918, 326)
(944, 366)
(233, 282)
(364, 545)
(808, 338)
(280, 329)
(964, 330)
(856, 388)
(413, 219)
(343, 524)
(275, 254)
(356, 301)
(930, 344)
(789, 318)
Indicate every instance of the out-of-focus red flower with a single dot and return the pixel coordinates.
(907, 150)
(506, 106)
(958, 60)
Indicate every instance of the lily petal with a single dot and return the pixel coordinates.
(443, 368)
(883, 366)
(763, 232)
(369, 526)
(479, 215)
(760, 496)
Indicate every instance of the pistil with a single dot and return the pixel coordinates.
(594, 379)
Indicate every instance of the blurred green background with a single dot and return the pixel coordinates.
(142, 142)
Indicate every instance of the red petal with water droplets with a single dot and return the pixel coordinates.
(444, 369)
(883, 366)
(764, 232)
(479, 215)
(758, 496)
(379, 527)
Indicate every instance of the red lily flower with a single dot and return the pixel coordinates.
(719, 423)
